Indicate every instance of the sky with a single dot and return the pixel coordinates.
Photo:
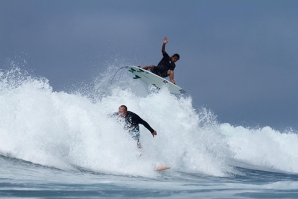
(238, 58)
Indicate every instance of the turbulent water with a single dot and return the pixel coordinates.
(67, 145)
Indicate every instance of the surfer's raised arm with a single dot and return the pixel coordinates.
(163, 48)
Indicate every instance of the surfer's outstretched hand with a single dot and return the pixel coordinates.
(154, 133)
(165, 40)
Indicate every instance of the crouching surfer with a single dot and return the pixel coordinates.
(166, 65)
(132, 122)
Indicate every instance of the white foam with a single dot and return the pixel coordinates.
(263, 147)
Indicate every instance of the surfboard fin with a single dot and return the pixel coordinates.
(132, 70)
(136, 77)
(182, 91)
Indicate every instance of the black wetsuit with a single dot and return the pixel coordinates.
(164, 66)
(132, 122)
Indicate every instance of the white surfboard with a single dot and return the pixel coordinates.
(155, 80)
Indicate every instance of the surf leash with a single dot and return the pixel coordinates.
(112, 79)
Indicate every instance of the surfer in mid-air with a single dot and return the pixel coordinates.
(166, 65)
(132, 122)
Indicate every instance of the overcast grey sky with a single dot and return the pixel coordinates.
(238, 58)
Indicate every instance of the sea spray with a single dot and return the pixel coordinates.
(70, 130)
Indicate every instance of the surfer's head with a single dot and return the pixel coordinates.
(175, 57)
(122, 110)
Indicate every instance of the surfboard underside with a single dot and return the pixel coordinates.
(152, 79)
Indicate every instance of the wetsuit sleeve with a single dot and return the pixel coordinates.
(136, 119)
(147, 125)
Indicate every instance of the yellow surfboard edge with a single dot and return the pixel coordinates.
(161, 168)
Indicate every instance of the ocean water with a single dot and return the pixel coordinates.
(64, 144)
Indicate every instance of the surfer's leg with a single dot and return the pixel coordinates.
(148, 67)
(139, 145)
(135, 134)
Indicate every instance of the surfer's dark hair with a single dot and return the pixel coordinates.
(124, 107)
(176, 55)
